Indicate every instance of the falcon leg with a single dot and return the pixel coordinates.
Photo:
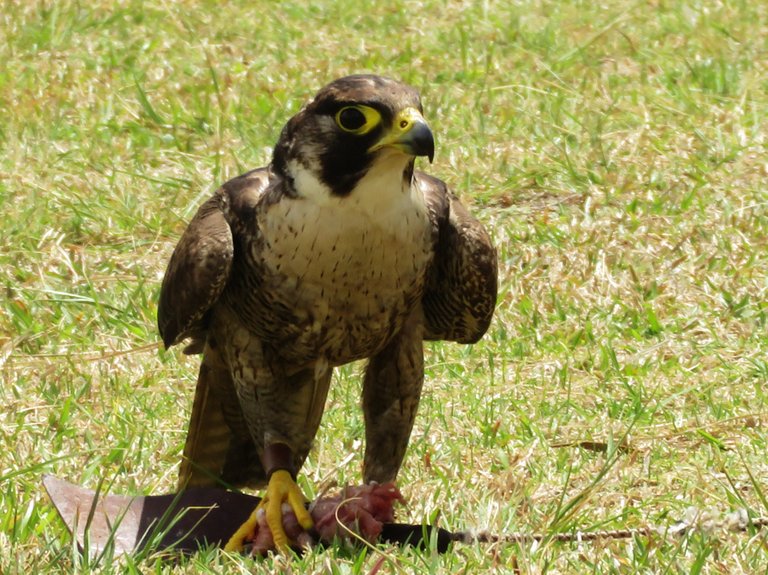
(391, 392)
(282, 411)
(282, 488)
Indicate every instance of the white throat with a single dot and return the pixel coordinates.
(383, 190)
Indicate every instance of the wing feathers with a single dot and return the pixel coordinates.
(196, 275)
(461, 289)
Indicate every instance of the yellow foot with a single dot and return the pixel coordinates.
(246, 530)
(281, 489)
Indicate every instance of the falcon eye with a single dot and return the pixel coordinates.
(357, 120)
(351, 119)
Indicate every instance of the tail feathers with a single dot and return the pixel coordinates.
(219, 450)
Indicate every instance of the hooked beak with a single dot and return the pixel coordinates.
(410, 134)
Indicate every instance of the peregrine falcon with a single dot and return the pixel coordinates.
(337, 251)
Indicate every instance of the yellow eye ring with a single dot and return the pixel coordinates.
(358, 119)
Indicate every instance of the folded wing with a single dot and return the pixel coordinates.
(461, 289)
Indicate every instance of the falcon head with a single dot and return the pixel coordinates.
(354, 126)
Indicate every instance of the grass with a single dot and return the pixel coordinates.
(616, 151)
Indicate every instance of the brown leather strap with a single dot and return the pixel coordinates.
(278, 456)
